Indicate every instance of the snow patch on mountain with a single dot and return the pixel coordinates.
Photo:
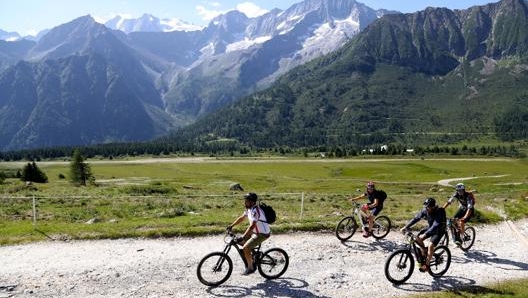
(149, 23)
(247, 43)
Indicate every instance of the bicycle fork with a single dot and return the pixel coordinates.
(455, 234)
(220, 262)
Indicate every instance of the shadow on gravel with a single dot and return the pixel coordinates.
(381, 245)
(285, 287)
(487, 257)
(438, 284)
(457, 285)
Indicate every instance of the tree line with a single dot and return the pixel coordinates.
(80, 172)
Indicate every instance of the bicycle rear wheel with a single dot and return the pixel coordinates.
(214, 269)
(273, 263)
(468, 239)
(440, 261)
(399, 266)
(346, 228)
(381, 228)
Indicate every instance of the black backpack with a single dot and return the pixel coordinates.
(382, 195)
(270, 214)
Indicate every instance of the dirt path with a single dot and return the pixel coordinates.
(320, 266)
(445, 182)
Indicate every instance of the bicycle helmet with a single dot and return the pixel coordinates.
(371, 185)
(460, 186)
(429, 202)
(251, 196)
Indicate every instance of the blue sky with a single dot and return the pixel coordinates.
(30, 16)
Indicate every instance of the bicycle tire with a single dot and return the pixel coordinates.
(440, 261)
(346, 228)
(211, 269)
(469, 234)
(273, 263)
(399, 266)
(382, 226)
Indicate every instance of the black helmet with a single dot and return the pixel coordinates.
(429, 202)
(251, 196)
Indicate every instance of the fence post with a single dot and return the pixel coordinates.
(302, 205)
(34, 212)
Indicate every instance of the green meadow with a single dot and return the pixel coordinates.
(504, 289)
(192, 196)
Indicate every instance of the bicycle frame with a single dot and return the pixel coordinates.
(454, 227)
(453, 231)
(360, 214)
(415, 247)
(347, 225)
(232, 243)
(399, 266)
(216, 267)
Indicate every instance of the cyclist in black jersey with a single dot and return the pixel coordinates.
(465, 210)
(436, 218)
(373, 207)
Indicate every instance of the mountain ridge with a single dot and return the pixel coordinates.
(369, 88)
(176, 76)
(421, 78)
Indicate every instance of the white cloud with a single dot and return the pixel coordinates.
(250, 9)
(207, 14)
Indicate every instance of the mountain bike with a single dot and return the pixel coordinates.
(348, 225)
(215, 268)
(399, 266)
(453, 229)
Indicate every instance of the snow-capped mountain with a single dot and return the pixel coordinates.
(9, 36)
(245, 54)
(174, 76)
(149, 23)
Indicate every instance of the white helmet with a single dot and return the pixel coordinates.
(460, 186)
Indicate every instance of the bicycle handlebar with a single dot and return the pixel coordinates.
(356, 204)
(229, 236)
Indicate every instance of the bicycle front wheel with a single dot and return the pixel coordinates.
(445, 239)
(468, 239)
(440, 261)
(346, 228)
(273, 263)
(214, 269)
(399, 266)
(381, 227)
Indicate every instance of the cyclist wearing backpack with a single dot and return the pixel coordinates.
(257, 231)
(465, 210)
(436, 218)
(373, 207)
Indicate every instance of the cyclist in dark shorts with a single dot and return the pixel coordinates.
(436, 218)
(465, 210)
(373, 207)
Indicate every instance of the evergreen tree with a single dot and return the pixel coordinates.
(31, 172)
(80, 172)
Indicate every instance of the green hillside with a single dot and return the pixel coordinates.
(429, 78)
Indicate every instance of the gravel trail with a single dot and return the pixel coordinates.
(320, 266)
